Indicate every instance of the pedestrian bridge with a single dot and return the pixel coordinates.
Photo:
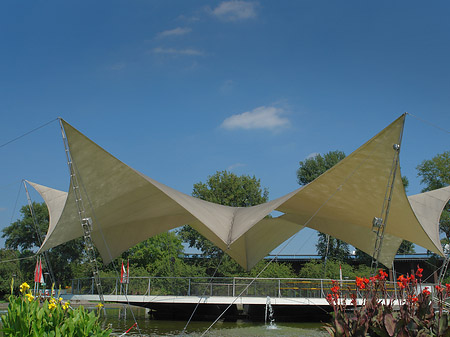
(176, 297)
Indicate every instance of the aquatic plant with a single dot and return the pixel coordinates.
(374, 315)
(31, 316)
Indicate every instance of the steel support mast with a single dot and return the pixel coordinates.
(379, 223)
(38, 234)
(86, 222)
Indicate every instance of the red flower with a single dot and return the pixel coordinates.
(419, 272)
(329, 298)
(439, 288)
(401, 285)
(414, 299)
(361, 282)
(335, 289)
(383, 275)
(426, 292)
(448, 288)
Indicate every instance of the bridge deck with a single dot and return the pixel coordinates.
(141, 299)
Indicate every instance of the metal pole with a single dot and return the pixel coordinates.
(189, 287)
(38, 233)
(379, 224)
(86, 223)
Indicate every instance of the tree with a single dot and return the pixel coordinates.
(310, 169)
(435, 173)
(314, 269)
(224, 188)
(328, 246)
(9, 269)
(23, 235)
(313, 167)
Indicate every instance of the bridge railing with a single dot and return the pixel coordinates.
(220, 286)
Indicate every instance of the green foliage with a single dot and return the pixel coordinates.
(315, 269)
(27, 317)
(154, 249)
(8, 270)
(22, 235)
(330, 247)
(224, 188)
(273, 270)
(435, 173)
(313, 167)
(406, 248)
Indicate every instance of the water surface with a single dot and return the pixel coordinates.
(121, 320)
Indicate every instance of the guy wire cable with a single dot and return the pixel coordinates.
(292, 237)
(427, 122)
(15, 205)
(19, 259)
(204, 292)
(27, 133)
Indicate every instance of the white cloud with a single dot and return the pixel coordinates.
(173, 51)
(179, 31)
(235, 10)
(2, 209)
(260, 118)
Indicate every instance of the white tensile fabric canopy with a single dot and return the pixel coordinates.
(127, 207)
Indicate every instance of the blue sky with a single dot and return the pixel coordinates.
(181, 89)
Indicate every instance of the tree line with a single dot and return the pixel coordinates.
(163, 255)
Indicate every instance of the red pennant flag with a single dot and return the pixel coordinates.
(38, 275)
(36, 272)
(122, 272)
(41, 277)
(125, 273)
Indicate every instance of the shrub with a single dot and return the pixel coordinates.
(376, 315)
(30, 316)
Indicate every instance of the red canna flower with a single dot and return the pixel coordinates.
(361, 282)
(426, 292)
(335, 289)
(419, 272)
(329, 298)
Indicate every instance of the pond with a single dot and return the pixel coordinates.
(121, 320)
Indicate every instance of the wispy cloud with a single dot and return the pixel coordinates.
(117, 66)
(260, 118)
(174, 51)
(312, 155)
(235, 10)
(2, 209)
(235, 166)
(179, 31)
(226, 87)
